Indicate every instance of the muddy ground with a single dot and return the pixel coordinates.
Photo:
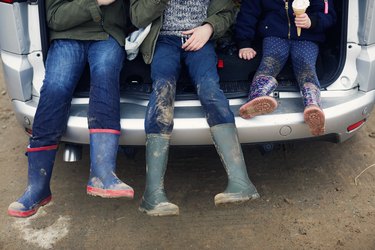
(309, 199)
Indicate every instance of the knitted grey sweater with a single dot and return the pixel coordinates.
(182, 15)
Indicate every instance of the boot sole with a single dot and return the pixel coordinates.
(105, 193)
(159, 214)
(28, 213)
(225, 200)
(258, 106)
(315, 119)
(172, 210)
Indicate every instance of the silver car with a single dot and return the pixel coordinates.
(345, 68)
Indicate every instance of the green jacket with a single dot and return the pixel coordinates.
(85, 20)
(143, 12)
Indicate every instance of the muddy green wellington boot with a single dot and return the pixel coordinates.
(240, 188)
(154, 201)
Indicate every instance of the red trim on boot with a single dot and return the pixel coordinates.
(45, 148)
(23, 214)
(108, 131)
(108, 193)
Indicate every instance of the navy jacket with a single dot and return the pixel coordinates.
(275, 18)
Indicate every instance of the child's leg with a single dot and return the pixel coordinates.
(304, 55)
(275, 55)
(65, 63)
(105, 59)
(202, 68)
(165, 70)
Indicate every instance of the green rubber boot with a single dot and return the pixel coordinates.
(240, 188)
(154, 200)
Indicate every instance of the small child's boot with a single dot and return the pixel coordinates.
(313, 114)
(260, 102)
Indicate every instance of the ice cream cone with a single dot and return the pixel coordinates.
(299, 12)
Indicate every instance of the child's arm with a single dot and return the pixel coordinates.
(199, 36)
(144, 12)
(303, 21)
(214, 27)
(319, 20)
(79, 11)
(222, 20)
(247, 53)
(246, 24)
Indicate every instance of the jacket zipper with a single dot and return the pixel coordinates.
(287, 15)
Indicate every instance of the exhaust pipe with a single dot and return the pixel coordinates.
(72, 152)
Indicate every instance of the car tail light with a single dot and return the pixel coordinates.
(7, 1)
(355, 125)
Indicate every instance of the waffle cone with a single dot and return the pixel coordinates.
(299, 12)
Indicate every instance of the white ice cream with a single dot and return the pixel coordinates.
(300, 4)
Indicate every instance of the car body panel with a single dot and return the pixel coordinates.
(342, 109)
(366, 34)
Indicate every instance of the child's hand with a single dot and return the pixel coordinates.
(105, 2)
(303, 21)
(198, 37)
(247, 53)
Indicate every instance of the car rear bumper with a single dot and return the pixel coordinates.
(341, 109)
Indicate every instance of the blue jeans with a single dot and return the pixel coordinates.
(65, 63)
(165, 71)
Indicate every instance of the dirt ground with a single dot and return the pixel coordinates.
(309, 199)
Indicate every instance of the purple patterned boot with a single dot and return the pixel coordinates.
(313, 114)
(260, 102)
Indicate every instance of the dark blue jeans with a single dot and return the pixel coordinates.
(65, 63)
(165, 71)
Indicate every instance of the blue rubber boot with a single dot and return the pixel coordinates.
(239, 188)
(38, 192)
(154, 201)
(103, 181)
